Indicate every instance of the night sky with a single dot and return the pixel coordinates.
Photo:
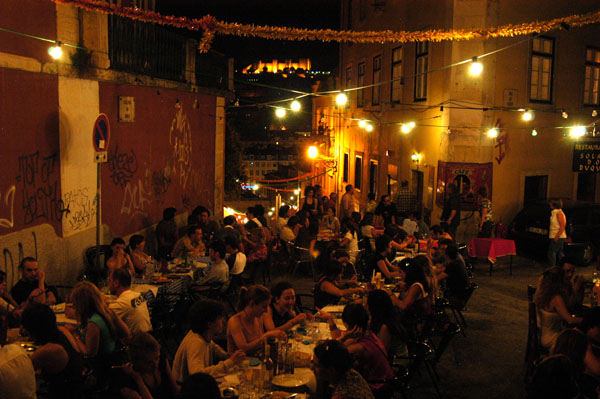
(316, 14)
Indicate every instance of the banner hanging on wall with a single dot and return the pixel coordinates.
(468, 177)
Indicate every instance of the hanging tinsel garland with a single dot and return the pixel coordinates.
(210, 26)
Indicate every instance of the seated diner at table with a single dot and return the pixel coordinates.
(245, 329)
(217, 273)
(32, 284)
(590, 326)
(380, 262)
(401, 241)
(551, 305)
(330, 221)
(417, 298)
(368, 230)
(102, 328)
(198, 352)
(575, 284)
(56, 359)
(8, 306)
(141, 260)
(385, 323)
(329, 289)
(190, 244)
(368, 351)
(130, 306)
(119, 258)
(281, 314)
(147, 374)
(200, 382)
(332, 364)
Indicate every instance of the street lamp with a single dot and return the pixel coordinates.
(313, 152)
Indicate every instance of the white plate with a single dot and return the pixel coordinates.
(290, 380)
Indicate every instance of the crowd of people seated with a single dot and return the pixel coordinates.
(115, 342)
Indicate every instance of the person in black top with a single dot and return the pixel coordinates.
(32, 284)
(60, 364)
(329, 290)
(455, 273)
(451, 211)
(281, 314)
(386, 210)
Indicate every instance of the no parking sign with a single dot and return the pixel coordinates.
(101, 138)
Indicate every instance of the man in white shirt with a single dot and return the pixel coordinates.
(130, 306)
(197, 352)
(17, 377)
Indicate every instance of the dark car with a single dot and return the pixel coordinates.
(529, 230)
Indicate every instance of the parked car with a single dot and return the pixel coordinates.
(529, 230)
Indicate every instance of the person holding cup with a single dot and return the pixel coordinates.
(281, 314)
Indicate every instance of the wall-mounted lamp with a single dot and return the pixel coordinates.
(416, 157)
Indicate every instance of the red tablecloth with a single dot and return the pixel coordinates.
(491, 248)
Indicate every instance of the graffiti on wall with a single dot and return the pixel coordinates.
(122, 165)
(38, 178)
(136, 199)
(7, 203)
(81, 208)
(180, 140)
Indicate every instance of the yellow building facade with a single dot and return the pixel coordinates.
(393, 86)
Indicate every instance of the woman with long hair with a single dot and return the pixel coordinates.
(329, 289)
(56, 358)
(246, 329)
(550, 298)
(102, 328)
(418, 293)
(385, 323)
(119, 258)
(310, 204)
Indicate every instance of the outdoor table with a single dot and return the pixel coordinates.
(166, 293)
(492, 248)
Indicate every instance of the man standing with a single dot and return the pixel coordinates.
(166, 233)
(451, 212)
(405, 200)
(347, 203)
(130, 306)
(386, 211)
(32, 284)
(557, 234)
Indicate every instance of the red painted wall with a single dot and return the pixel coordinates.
(165, 158)
(34, 17)
(30, 192)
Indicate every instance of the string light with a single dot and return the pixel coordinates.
(577, 131)
(312, 152)
(476, 67)
(341, 99)
(564, 115)
(594, 113)
(55, 51)
(534, 132)
(527, 115)
(362, 123)
(406, 127)
(295, 106)
(492, 133)
(280, 112)
(369, 128)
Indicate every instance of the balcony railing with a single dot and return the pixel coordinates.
(145, 48)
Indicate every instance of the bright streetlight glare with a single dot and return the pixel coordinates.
(578, 131)
(405, 128)
(362, 123)
(369, 128)
(527, 115)
(341, 99)
(55, 52)
(296, 106)
(476, 68)
(493, 133)
(312, 151)
(280, 112)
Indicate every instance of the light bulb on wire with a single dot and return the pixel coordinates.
(492, 133)
(280, 112)
(55, 51)
(295, 106)
(577, 131)
(476, 67)
(534, 132)
(362, 123)
(369, 128)
(527, 115)
(341, 99)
